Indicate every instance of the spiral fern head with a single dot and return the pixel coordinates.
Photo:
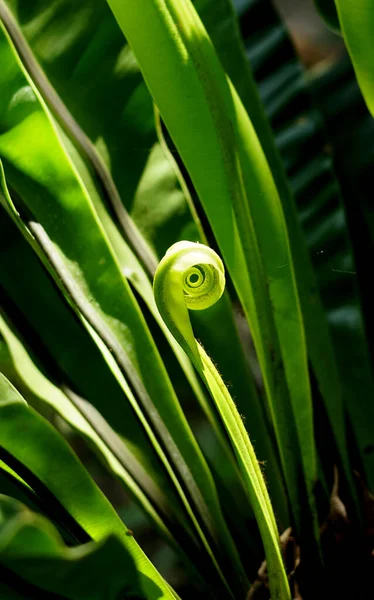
(190, 276)
(202, 273)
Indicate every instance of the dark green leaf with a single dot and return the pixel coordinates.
(32, 446)
(33, 552)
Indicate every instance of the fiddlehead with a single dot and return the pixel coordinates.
(191, 276)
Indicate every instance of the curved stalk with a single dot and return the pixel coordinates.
(191, 276)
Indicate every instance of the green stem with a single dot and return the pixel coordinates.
(192, 276)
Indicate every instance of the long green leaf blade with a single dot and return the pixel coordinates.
(301, 143)
(99, 291)
(261, 51)
(162, 216)
(66, 479)
(241, 200)
(85, 420)
(32, 549)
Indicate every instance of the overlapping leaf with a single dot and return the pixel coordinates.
(19, 367)
(301, 141)
(98, 291)
(57, 475)
(33, 553)
(156, 197)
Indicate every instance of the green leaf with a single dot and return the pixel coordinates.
(357, 25)
(17, 364)
(301, 141)
(83, 509)
(92, 279)
(162, 215)
(339, 99)
(87, 422)
(279, 79)
(108, 134)
(58, 339)
(302, 144)
(63, 335)
(11, 484)
(32, 550)
(251, 234)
